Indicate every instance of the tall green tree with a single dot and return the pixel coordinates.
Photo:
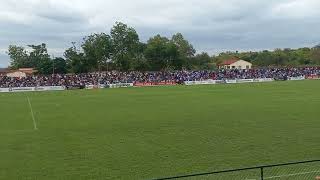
(280, 57)
(263, 59)
(97, 49)
(59, 65)
(76, 60)
(300, 56)
(186, 49)
(175, 61)
(139, 61)
(201, 61)
(225, 56)
(40, 59)
(18, 57)
(315, 55)
(161, 53)
(125, 45)
(37, 58)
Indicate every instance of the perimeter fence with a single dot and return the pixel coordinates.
(304, 170)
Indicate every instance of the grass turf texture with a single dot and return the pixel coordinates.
(144, 133)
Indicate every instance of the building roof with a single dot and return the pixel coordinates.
(229, 62)
(4, 70)
(27, 70)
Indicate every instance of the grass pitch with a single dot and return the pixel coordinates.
(145, 133)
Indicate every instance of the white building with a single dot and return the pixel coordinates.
(235, 64)
(22, 72)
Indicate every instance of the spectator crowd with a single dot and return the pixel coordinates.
(114, 77)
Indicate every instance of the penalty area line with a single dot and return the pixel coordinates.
(32, 114)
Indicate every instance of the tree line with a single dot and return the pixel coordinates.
(122, 50)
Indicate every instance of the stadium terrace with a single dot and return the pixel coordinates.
(155, 78)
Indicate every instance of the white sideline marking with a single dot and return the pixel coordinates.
(32, 114)
(289, 175)
(16, 131)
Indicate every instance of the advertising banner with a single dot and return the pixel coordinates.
(263, 80)
(231, 81)
(139, 84)
(21, 89)
(4, 90)
(75, 87)
(317, 77)
(49, 88)
(100, 86)
(220, 82)
(120, 85)
(299, 78)
(244, 80)
(204, 82)
(30, 89)
(168, 83)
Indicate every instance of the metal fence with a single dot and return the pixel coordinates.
(305, 170)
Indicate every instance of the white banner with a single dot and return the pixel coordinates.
(4, 90)
(263, 80)
(30, 89)
(299, 78)
(244, 80)
(100, 86)
(50, 88)
(231, 81)
(228, 81)
(21, 89)
(204, 82)
(120, 85)
(91, 87)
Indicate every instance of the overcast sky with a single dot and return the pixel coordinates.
(210, 25)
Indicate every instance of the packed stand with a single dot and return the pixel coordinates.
(114, 77)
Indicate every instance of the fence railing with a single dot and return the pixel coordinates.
(303, 170)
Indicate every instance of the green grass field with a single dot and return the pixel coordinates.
(146, 133)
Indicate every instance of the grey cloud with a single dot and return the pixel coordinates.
(211, 25)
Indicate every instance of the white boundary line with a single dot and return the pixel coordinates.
(289, 175)
(32, 114)
(16, 131)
